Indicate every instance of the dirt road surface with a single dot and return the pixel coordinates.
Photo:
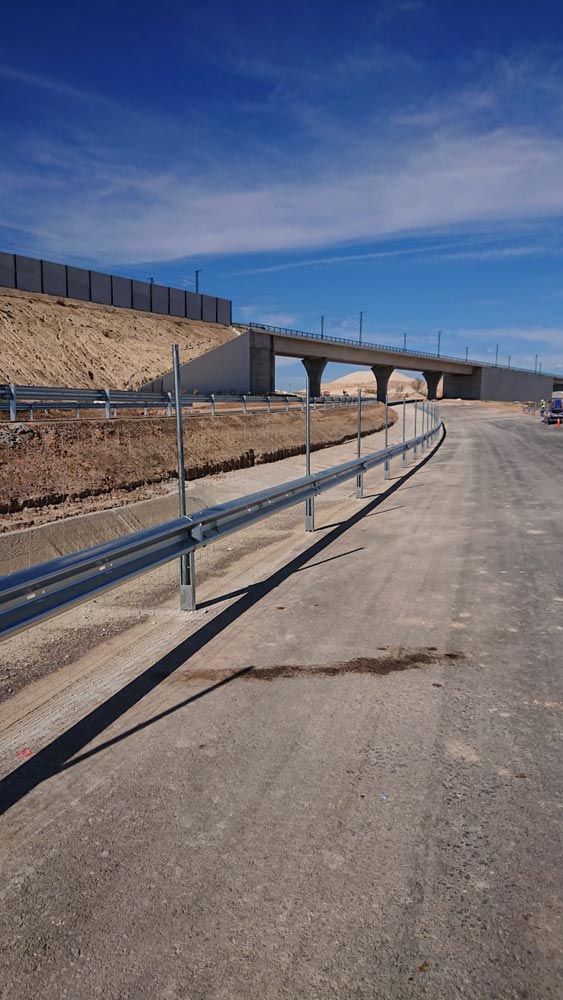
(340, 780)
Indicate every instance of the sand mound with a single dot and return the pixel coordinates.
(364, 379)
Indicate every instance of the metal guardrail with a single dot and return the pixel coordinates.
(28, 399)
(31, 595)
(395, 350)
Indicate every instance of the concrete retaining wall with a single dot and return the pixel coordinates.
(502, 384)
(243, 365)
(33, 275)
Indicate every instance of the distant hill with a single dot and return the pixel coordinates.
(399, 384)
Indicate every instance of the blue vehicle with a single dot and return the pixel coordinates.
(552, 412)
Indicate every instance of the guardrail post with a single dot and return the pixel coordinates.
(31, 414)
(404, 462)
(78, 413)
(286, 404)
(13, 403)
(387, 463)
(360, 476)
(108, 404)
(310, 501)
(269, 402)
(168, 404)
(187, 561)
(244, 404)
(212, 405)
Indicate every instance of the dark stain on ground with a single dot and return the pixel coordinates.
(394, 660)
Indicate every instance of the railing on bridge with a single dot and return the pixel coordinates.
(386, 347)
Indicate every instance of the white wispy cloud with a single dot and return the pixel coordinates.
(452, 181)
(451, 173)
(50, 85)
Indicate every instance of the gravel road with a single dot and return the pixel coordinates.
(341, 781)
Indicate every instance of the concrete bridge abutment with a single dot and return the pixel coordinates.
(432, 381)
(315, 368)
(382, 375)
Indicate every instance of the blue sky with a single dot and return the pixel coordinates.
(402, 157)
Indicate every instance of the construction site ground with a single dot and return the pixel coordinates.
(340, 777)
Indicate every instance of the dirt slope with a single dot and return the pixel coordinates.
(45, 340)
(49, 464)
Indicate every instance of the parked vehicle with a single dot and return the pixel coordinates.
(552, 412)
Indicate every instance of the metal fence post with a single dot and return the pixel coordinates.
(404, 462)
(13, 403)
(187, 561)
(360, 476)
(310, 501)
(387, 463)
(415, 422)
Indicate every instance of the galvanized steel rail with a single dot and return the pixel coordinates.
(32, 595)
(28, 399)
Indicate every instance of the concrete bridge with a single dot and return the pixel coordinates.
(246, 364)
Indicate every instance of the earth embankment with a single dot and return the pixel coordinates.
(51, 469)
(46, 340)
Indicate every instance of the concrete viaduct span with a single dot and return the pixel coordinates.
(246, 364)
(466, 379)
(316, 353)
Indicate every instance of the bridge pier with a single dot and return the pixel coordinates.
(432, 380)
(315, 368)
(382, 375)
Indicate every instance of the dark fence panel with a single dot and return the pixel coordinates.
(208, 309)
(224, 311)
(193, 305)
(177, 302)
(7, 270)
(78, 283)
(28, 274)
(141, 295)
(160, 299)
(121, 294)
(54, 278)
(100, 287)
(33, 275)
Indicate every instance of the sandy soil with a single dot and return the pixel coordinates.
(50, 341)
(51, 470)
